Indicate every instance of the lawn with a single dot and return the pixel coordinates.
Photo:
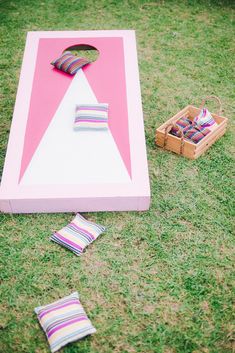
(159, 281)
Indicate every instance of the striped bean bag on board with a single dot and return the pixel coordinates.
(91, 116)
(69, 63)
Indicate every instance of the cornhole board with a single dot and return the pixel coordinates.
(50, 167)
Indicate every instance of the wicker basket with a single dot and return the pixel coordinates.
(184, 147)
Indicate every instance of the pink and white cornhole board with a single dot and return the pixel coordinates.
(50, 167)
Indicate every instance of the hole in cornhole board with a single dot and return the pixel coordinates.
(85, 51)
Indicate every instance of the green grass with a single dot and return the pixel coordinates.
(159, 281)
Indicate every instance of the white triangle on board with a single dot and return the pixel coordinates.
(68, 156)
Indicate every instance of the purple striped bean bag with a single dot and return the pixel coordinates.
(69, 63)
(205, 119)
(78, 234)
(91, 116)
(64, 321)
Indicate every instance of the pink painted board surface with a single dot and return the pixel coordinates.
(107, 77)
(53, 198)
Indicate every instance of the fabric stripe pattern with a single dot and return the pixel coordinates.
(78, 234)
(69, 63)
(91, 116)
(64, 321)
(192, 132)
(205, 119)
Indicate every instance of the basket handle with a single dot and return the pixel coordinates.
(212, 98)
(167, 130)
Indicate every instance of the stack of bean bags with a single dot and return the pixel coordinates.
(194, 130)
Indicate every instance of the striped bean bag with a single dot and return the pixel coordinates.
(91, 116)
(64, 321)
(78, 234)
(205, 119)
(69, 63)
(195, 133)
